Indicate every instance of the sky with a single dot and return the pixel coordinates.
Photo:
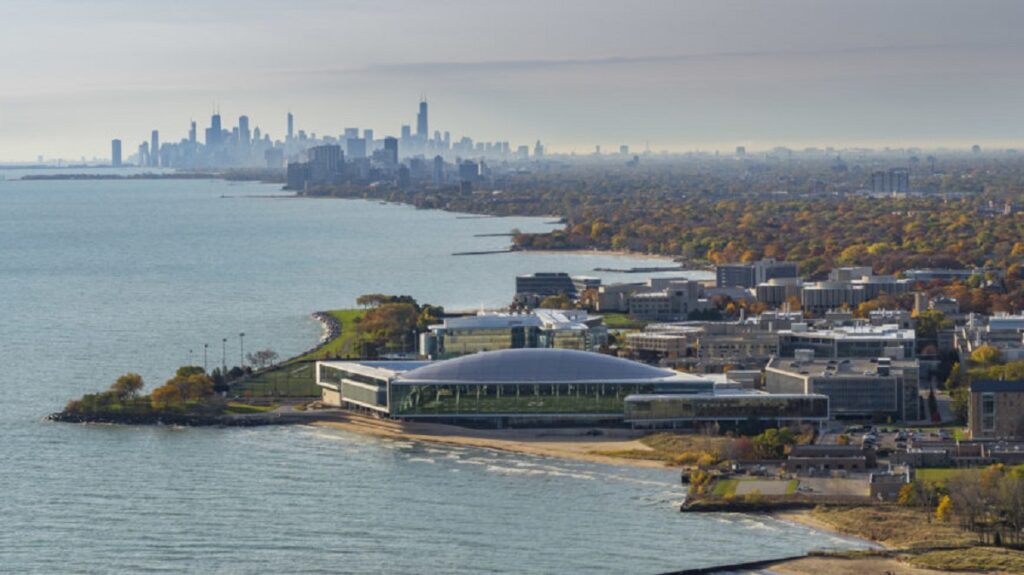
(674, 74)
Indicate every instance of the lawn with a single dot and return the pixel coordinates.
(245, 408)
(725, 487)
(296, 377)
(940, 475)
(337, 347)
(287, 380)
(622, 321)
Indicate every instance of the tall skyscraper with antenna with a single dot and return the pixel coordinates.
(421, 121)
(291, 126)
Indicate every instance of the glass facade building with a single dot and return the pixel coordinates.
(671, 410)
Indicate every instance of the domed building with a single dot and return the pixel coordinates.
(510, 384)
(546, 386)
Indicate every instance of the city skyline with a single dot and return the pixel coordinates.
(679, 75)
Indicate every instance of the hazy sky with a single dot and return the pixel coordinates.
(679, 74)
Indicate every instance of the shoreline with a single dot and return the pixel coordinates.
(558, 443)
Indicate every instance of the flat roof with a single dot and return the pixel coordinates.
(845, 366)
(997, 386)
(378, 369)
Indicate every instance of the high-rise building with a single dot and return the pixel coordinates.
(291, 126)
(438, 174)
(355, 148)
(538, 150)
(192, 132)
(368, 136)
(144, 154)
(894, 181)
(421, 121)
(391, 150)
(213, 133)
(244, 135)
(154, 149)
(115, 153)
(406, 133)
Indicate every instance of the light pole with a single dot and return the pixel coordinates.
(206, 347)
(224, 357)
(241, 350)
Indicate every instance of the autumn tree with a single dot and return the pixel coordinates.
(127, 386)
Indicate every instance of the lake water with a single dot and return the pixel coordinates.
(101, 277)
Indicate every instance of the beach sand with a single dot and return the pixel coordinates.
(562, 443)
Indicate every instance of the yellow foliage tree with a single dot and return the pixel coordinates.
(944, 511)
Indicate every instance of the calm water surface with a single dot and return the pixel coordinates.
(99, 278)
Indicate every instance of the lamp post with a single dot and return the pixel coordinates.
(206, 347)
(224, 356)
(241, 350)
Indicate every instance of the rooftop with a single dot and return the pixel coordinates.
(540, 365)
(821, 367)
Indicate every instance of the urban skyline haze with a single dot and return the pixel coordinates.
(679, 75)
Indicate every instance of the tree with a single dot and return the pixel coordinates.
(928, 324)
(944, 511)
(262, 358)
(560, 301)
(127, 386)
(986, 355)
(189, 370)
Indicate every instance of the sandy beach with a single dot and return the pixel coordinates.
(574, 444)
(562, 443)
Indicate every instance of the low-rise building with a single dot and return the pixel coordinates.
(725, 405)
(850, 341)
(858, 388)
(996, 409)
(749, 275)
(826, 459)
(564, 329)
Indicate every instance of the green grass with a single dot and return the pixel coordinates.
(791, 486)
(296, 377)
(725, 487)
(622, 321)
(337, 347)
(938, 475)
(236, 408)
(288, 380)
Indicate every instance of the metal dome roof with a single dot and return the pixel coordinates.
(535, 366)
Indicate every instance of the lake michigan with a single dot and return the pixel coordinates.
(98, 278)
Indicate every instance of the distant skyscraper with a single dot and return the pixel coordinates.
(624, 150)
(538, 150)
(115, 153)
(421, 121)
(438, 172)
(355, 148)
(351, 133)
(406, 133)
(391, 150)
(213, 133)
(291, 126)
(192, 132)
(244, 135)
(154, 149)
(368, 136)
(144, 154)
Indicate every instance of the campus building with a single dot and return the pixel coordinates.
(996, 409)
(751, 274)
(725, 407)
(857, 387)
(563, 329)
(509, 387)
(849, 341)
(523, 387)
